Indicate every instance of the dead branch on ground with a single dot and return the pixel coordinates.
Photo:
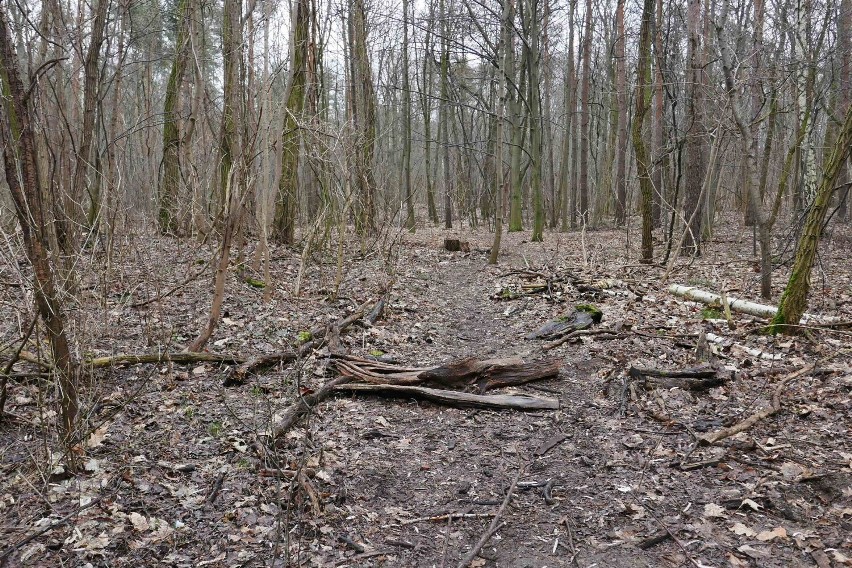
(744, 425)
(495, 523)
(457, 398)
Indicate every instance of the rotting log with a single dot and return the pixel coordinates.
(694, 378)
(485, 374)
(456, 245)
(456, 398)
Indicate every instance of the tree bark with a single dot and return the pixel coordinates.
(363, 108)
(844, 46)
(621, 94)
(643, 100)
(694, 144)
(535, 122)
(586, 116)
(795, 297)
(284, 226)
(171, 176)
(19, 152)
(408, 195)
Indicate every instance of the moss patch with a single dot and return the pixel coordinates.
(593, 311)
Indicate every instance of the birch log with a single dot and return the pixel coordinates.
(742, 306)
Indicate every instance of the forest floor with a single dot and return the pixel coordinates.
(177, 469)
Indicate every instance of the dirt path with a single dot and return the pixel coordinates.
(403, 460)
(175, 477)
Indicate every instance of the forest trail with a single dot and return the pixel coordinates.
(182, 472)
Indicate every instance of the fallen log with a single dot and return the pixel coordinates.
(702, 372)
(181, 358)
(456, 398)
(694, 378)
(737, 305)
(485, 374)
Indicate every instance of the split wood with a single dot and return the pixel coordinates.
(485, 374)
(457, 398)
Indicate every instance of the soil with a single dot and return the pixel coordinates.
(178, 470)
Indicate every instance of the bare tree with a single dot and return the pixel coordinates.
(586, 115)
(284, 226)
(643, 101)
(694, 133)
(171, 175)
(19, 152)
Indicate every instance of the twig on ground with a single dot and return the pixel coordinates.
(6, 554)
(744, 425)
(441, 518)
(495, 522)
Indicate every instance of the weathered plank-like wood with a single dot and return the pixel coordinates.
(456, 398)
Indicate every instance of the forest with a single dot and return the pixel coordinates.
(474, 283)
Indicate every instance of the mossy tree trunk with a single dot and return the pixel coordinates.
(286, 206)
(795, 297)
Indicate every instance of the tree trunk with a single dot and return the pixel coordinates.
(621, 94)
(844, 46)
(286, 207)
(586, 116)
(795, 297)
(363, 108)
(534, 104)
(659, 125)
(171, 176)
(566, 172)
(694, 147)
(19, 156)
(643, 100)
(408, 196)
